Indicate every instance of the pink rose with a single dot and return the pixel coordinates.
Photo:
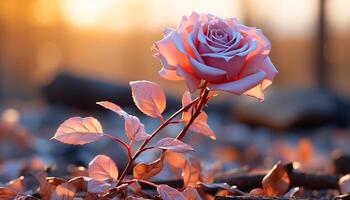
(226, 54)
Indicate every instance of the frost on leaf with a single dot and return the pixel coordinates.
(146, 171)
(148, 97)
(276, 182)
(169, 193)
(174, 145)
(200, 124)
(79, 131)
(102, 168)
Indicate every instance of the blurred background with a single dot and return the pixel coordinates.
(57, 57)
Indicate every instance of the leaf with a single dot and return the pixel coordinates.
(146, 171)
(80, 182)
(257, 192)
(169, 193)
(202, 128)
(186, 100)
(200, 124)
(12, 189)
(219, 187)
(134, 129)
(112, 106)
(102, 168)
(79, 131)
(148, 97)
(7, 194)
(276, 182)
(17, 185)
(64, 191)
(175, 160)
(96, 186)
(174, 145)
(292, 192)
(192, 172)
(191, 194)
(344, 184)
(45, 187)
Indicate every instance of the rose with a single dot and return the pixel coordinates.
(225, 54)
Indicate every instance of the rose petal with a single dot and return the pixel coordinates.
(206, 72)
(170, 75)
(241, 85)
(192, 81)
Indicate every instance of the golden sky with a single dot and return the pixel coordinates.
(286, 17)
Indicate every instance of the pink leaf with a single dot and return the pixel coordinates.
(174, 145)
(134, 129)
(64, 191)
(186, 100)
(79, 131)
(146, 171)
(148, 97)
(200, 123)
(192, 172)
(102, 168)
(95, 186)
(202, 128)
(113, 107)
(169, 193)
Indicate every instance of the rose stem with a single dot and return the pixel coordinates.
(198, 111)
(140, 150)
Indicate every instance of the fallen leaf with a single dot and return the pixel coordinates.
(276, 182)
(148, 97)
(64, 191)
(17, 185)
(257, 192)
(191, 194)
(292, 192)
(79, 131)
(80, 183)
(344, 184)
(45, 188)
(174, 145)
(211, 188)
(102, 168)
(7, 194)
(146, 171)
(169, 193)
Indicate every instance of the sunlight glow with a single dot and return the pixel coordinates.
(86, 13)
